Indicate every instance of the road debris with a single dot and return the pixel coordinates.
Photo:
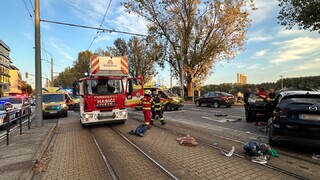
(229, 153)
(187, 141)
(316, 156)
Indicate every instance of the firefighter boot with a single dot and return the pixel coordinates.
(163, 123)
(151, 123)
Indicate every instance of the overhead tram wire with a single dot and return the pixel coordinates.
(76, 7)
(25, 4)
(95, 28)
(97, 34)
(31, 5)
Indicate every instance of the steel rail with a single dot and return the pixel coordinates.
(167, 172)
(105, 160)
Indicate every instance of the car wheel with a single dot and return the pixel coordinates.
(168, 107)
(216, 104)
(198, 103)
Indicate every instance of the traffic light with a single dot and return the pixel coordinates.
(27, 75)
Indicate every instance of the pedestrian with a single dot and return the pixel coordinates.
(157, 110)
(246, 95)
(263, 93)
(146, 107)
(272, 94)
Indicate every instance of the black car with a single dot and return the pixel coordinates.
(258, 108)
(294, 116)
(216, 99)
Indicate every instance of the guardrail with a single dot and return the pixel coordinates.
(15, 115)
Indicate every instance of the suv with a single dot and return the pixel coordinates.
(294, 116)
(215, 98)
(55, 104)
(19, 102)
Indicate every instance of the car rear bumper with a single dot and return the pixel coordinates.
(308, 135)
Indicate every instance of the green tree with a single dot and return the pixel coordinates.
(303, 13)
(143, 55)
(196, 37)
(71, 74)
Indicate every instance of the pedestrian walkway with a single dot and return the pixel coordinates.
(18, 158)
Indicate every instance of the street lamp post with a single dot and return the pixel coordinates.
(281, 81)
(51, 63)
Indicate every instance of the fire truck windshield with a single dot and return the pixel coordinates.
(103, 87)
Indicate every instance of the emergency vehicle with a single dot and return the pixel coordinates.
(169, 100)
(70, 101)
(107, 92)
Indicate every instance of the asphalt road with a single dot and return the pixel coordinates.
(232, 117)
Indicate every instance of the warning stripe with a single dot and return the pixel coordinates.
(124, 65)
(94, 64)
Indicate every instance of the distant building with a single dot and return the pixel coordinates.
(241, 78)
(4, 67)
(15, 81)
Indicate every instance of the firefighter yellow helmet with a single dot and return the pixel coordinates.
(147, 92)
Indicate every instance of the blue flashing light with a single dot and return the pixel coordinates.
(58, 107)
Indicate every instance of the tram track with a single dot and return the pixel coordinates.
(118, 152)
(226, 142)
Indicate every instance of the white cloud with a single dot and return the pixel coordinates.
(313, 65)
(260, 53)
(294, 49)
(258, 36)
(253, 67)
(265, 9)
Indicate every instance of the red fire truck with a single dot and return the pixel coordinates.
(107, 91)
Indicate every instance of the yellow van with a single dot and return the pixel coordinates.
(71, 101)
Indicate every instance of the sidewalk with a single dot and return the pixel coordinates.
(18, 158)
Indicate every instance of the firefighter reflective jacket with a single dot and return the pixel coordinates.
(146, 103)
(157, 105)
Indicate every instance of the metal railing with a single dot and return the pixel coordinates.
(19, 116)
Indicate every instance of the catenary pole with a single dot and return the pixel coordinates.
(38, 110)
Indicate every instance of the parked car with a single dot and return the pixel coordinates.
(19, 102)
(216, 99)
(294, 117)
(6, 108)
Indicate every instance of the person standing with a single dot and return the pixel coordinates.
(157, 110)
(272, 94)
(246, 95)
(146, 107)
(263, 93)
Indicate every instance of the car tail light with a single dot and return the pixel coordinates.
(283, 112)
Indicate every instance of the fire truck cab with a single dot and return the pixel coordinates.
(107, 92)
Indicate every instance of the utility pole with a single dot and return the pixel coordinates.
(38, 110)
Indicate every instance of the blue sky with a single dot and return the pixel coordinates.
(270, 50)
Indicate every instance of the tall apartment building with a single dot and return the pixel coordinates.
(4, 67)
(241, 78)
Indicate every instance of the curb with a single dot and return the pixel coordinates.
(28, 174)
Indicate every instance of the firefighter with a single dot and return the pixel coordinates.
(157, 110)
(146, 107)
(153, 115)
